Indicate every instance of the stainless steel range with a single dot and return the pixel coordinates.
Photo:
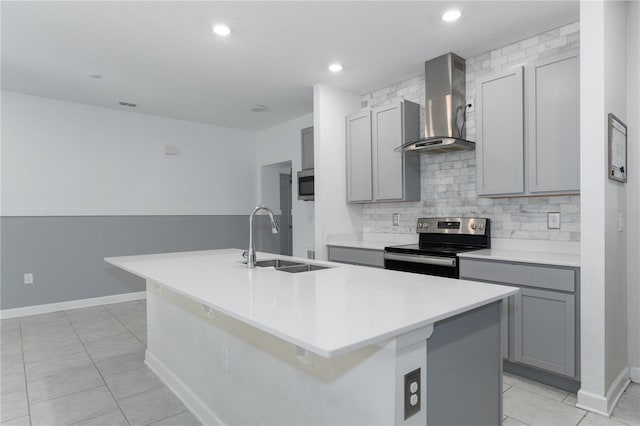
(441, 239)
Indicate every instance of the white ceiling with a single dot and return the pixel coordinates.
(164, 57)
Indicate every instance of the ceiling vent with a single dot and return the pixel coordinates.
(128, 104)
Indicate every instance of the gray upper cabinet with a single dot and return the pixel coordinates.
(528, 129)
(553, 104)
(359, 185)
(307, 148)
(500, 133)
(390, 175)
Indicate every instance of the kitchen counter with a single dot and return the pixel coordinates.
(331, 346)
(367, 245)
(545, 258)
(329, 312)
(370, 241)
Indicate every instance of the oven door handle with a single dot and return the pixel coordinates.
(427, 260)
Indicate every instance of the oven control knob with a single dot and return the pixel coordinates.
(473, 226)
(419, 225)
(480, 226)
(426, 225)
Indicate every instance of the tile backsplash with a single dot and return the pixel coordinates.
(448, 181)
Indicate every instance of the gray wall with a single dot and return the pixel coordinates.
(65, 254)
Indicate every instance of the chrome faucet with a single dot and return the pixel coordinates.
(251, 255)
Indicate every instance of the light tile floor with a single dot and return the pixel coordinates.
(526, 402)
(85, 367)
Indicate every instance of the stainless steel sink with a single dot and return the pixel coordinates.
(305, 267)
(277, 263)
(289, 266)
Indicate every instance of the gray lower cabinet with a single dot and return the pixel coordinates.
(543, 321)
(544, 327)
(375, 171)
(528, 128)
(356, 256)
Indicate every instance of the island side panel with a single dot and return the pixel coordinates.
(464, 369)
(228, 372)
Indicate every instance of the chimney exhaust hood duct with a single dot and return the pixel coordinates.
(445, 107)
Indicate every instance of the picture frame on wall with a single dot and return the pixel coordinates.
(617, 149)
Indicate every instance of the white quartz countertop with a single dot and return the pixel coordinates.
(371, 241)
(329, 312)
(545, 258)
(368, 245)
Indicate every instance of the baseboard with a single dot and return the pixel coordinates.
(72, 304)
(616, 389)
(592, 402)
(177, 386)
(604, 405)
(635, 374)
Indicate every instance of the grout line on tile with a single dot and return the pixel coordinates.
(95, 417)
(24, 370)
(98, 370)
(583, 416)
(129, 330)
(67, 394)
(165, 418)
(146, 390)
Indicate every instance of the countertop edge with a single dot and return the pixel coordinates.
(524, 257)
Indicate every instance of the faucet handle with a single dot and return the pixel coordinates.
(245, 256)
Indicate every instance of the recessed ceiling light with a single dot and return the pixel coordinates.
(221, 29)
(451, 15)
(94, 75)
(335, 67)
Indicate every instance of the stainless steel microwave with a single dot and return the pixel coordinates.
(305, 185)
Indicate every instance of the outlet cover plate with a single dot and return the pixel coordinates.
(395, 219)
(553, 220)
(409, 408)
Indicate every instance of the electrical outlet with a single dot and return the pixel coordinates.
(395, 219)
(620, 222)
(471, 108)
(303, 355)
(227, 360)
(553, 220)
(208, 311)
(411, 393)
(28, 278)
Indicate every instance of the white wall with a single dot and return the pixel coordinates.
(633, 187)
(333, 214)
(603, 248)
(63, 158)
(276, 145)
(615, 66)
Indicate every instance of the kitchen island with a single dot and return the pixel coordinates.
(341, 345)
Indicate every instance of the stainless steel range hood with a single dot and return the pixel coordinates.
(445, 106)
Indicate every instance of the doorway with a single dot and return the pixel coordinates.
(286, 222)
(277, 193)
